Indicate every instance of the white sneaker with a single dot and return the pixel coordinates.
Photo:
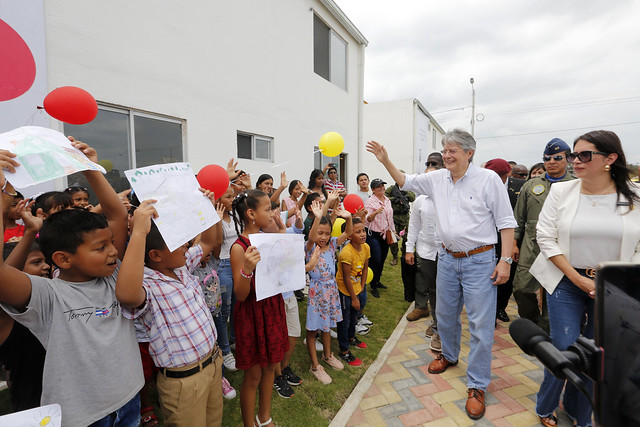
(362, 330)
(229, 362)
(333, 334)
(319, 346)
(365, 320)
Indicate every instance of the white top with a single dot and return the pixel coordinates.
(596, 231)
(363, 195)
(230, 236)
(469, 211)
(421, 237)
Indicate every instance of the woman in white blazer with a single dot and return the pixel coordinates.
(583, 222)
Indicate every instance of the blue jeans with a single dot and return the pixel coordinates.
(467, 281)
(379, 250)
(347, 328)
(226, 288)
(567, 307)
(127, 415)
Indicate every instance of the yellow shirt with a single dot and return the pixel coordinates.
(356, 260)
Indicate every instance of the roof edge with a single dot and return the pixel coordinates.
(417, 102)
(345, 21)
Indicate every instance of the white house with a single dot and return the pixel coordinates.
(259, 81)
(406, 129)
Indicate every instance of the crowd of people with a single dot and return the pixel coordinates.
(97, 311)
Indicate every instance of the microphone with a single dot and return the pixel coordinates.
(535, 342)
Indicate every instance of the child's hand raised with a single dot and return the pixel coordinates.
(85, 148)
(209, 194)
(283, 180)
(316, 208)
(251, 258)
(343, 213)
(231, 169)
(24, 210)
(360, 213)
(220, 210)
(8, 162)
(333, 196)
(142, 216)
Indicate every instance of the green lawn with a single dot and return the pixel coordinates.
(314, 404)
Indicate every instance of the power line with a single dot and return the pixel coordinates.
(557, 130)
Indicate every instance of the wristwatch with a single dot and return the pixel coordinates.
(508, 260)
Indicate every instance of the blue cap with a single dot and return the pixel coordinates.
(555, 146)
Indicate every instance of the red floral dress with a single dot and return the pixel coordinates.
(261, 327)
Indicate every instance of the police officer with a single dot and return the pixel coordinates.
(525, 249)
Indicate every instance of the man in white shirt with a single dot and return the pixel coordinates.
(470, 204)
(363, 186)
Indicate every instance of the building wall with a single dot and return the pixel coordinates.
(220, 66)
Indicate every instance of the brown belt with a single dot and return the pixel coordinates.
(474, 251)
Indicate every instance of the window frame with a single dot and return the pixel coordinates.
(253, 137)
(332, 34)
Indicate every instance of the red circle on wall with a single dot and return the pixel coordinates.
(17, 66)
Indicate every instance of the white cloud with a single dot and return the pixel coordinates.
(567, 64)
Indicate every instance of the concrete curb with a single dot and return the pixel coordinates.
(353, 401)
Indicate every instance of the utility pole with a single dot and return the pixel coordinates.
(473, 106)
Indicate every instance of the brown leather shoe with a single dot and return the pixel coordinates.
(475, 404)
(440, 364)
(417, 313)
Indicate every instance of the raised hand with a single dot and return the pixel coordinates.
(316, 208)
(283, 180)
(232, 170)
(333, 196)
(220, 210)
(251, 258)
(142, 216)
(209, 195)
(24, 210)
(85, 148)
(343, 213)
(8, 162)
(378, 150)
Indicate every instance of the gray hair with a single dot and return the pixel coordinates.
(461, 138)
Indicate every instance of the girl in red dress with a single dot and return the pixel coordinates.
(261, 327)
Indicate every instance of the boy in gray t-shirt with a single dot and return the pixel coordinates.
(92, 366)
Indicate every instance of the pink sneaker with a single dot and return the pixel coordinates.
(333, 362)
(227, 389)
(321, 375)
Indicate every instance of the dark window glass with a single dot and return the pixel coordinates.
(157, 141)
(244, 146)
(321, 42)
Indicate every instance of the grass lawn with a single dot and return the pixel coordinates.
(315, 404)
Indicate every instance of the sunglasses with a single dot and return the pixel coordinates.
(557, 158)
(432, 164)
(520, 174)
(583, 156)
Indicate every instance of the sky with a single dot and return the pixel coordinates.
(542, 69)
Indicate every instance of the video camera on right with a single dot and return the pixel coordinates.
(612, 360)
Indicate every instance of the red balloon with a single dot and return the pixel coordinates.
(352, 202)
(71, 105)
(214, 178)
(18, 66)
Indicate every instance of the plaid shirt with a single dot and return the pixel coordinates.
(177, 319)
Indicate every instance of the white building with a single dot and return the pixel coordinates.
(406, 129)
(259, 81)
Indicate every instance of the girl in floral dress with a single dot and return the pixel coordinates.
(323, 303)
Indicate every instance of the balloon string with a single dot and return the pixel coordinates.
(318, 151)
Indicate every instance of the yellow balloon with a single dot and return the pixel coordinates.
(336, 231)
(369, 275)
(331, 144)
(106, 164)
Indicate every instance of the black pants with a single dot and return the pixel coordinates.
(379, 250)
(505, 290)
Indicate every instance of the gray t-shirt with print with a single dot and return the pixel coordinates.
(92, 366)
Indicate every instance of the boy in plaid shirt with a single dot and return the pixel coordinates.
(167, 297)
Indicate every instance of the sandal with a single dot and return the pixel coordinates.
(266, 423)
(149, 420)
(546, 421)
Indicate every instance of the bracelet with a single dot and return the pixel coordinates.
(245, 275)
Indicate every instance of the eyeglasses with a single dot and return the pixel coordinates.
(521, 174)
(557, 158)
(452, 152)
(432, 164)
(583, 156)
(14, 194)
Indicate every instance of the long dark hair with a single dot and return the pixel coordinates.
(608, 142)
(292, 186)
(312, 181)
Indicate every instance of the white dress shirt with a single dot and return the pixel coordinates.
(469, 211)
(421, 237)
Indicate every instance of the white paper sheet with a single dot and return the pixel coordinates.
(44, 154)
(50, 416)
(183, 211)
(281, 265)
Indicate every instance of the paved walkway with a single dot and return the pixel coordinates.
(398, 391)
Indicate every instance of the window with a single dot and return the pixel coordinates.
(329, 54)
(320, 161)
(254, 147)
(126, 139)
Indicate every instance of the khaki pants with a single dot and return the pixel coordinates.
(195, 400)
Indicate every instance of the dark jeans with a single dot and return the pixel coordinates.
(426, 285)
(505, 290)
(127, 415)
(347, 328)
(379, 250)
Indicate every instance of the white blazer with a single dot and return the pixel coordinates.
(554, 225)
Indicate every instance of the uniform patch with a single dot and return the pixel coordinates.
(538, 189)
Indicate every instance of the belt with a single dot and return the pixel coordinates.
(463, 254)
(588, 272)
(187, 373)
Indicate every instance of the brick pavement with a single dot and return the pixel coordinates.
(404, 393)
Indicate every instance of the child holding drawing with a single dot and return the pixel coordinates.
(323, 305)
(261, 327)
